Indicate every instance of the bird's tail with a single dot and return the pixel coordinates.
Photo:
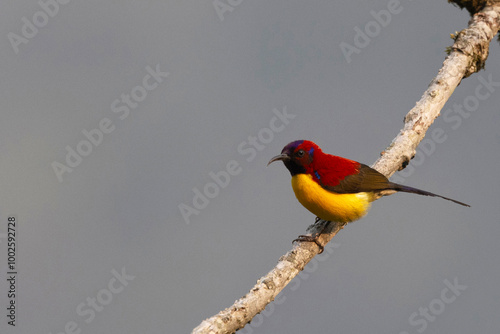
(407, 189)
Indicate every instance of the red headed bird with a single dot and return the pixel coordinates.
(335, 188)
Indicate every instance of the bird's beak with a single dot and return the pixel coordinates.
(282, 157)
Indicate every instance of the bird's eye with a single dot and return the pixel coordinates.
(300, 153)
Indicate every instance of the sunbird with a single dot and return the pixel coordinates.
(335, 188)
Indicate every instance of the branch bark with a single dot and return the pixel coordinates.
(467, 56)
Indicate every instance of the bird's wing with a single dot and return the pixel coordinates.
(365, 180)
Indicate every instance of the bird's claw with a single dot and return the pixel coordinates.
(310, 238)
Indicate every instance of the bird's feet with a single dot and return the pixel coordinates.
(310, 238)
(317, 220)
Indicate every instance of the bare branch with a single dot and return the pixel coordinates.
(467, 55)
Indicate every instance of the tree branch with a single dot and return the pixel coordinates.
(467, 55)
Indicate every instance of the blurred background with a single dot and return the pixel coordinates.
(134, 138)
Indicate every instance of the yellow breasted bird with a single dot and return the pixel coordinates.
(334, 188)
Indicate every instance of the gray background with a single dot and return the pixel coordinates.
(119, 209)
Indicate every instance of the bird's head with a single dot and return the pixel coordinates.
(298, 156)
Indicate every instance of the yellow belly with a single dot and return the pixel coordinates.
(328, 205)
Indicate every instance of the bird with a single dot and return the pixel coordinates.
(335, 188)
